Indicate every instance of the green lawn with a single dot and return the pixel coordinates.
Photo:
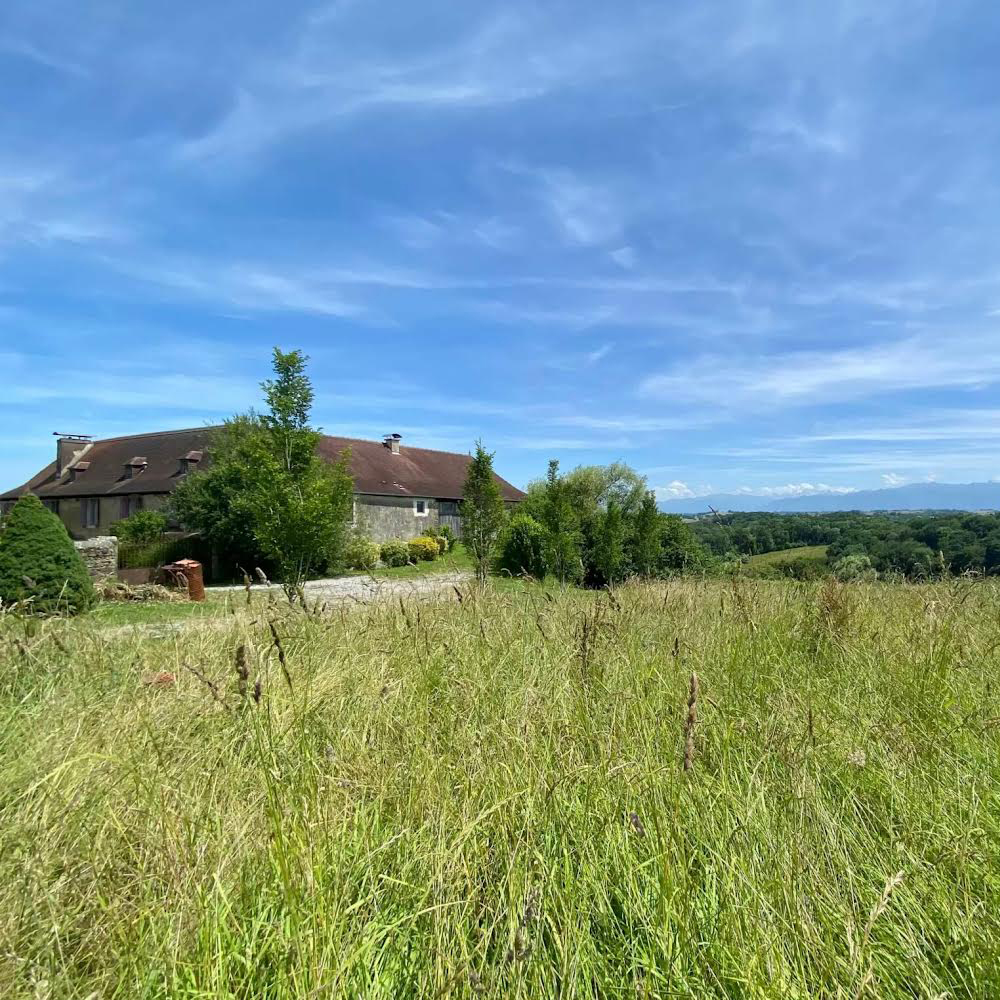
(816, 552)
(490, 798)
(143, 613)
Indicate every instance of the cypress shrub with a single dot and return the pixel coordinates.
(522, 548)
(38, 563)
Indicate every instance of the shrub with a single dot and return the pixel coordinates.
(39, 564)
(444, 531)
(522, 548)
(143, 528)
(361, 553)
(395, 552)
(856, 566)
(442, 544)
(423, 549)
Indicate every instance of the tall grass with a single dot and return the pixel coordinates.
(489, 798)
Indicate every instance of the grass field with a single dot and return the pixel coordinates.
(815, 552)
(489, 798)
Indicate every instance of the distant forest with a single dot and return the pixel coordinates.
(917, 546)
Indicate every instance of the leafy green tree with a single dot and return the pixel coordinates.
(483, 513)
(594, 487)
(289, 398)
(608, 558)
(300, 518)
(266, 494)
(39, 564)
(522, 548)
(645, 544)
(562, 527)
(215, 500)
(142, 528)
(680, 551)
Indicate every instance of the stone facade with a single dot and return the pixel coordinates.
(383, 518)
(78, 513)
(100, 556)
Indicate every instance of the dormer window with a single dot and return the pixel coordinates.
(190, 461)
(134, 466)
(78, 470)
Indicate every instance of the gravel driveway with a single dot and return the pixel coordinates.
(364, 589)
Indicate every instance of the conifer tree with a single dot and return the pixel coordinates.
(562, 528)
(483, 513)
(39, 565)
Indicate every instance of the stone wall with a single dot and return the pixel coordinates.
(100, 556)
(382, 518)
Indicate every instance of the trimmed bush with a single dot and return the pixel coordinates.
(522, 548)
(38, 563)
(423, 549)
(361, 553)
(442, 544)
(395, 552)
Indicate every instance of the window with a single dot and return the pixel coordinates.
(420, 508)
(130, 506)
(52, 505)
(90, 513)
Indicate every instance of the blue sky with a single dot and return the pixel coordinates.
(741, 245)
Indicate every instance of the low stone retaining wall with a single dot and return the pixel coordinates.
(100, 556)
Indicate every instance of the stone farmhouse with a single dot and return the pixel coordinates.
(399, 490)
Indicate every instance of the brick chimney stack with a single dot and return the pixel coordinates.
(392, 441)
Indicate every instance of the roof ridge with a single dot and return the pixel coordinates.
(148, 434)
(212, 427)
(404, 447)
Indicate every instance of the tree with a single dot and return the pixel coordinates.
(645, 543)
(680, 550)
(142, 528)
(213, 501)
(39, 564)
(608, 557)
(522, 548)
(562, 527)
(289, 399)
(593, 487)
(483, 513)
(265, 494)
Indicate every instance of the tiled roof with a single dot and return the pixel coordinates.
(417, 472)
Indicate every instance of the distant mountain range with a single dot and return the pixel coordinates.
(916, 496)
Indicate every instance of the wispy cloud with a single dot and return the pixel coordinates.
(22, 49)
(504, 60)
(811, 377)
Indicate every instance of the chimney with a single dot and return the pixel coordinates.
(391, 442)
(69, 448)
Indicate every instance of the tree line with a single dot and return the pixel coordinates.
(914, 545)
